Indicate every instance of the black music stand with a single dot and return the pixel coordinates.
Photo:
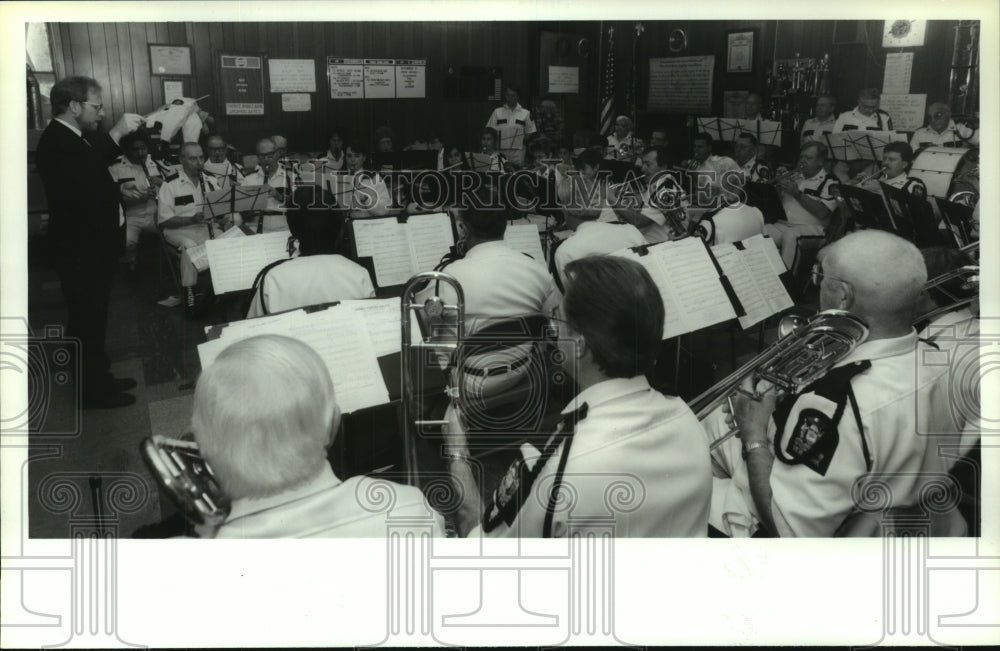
(868, 209)
(958, 220)
(764, 197)
(619, 169)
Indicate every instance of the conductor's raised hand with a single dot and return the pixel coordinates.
(126, 124)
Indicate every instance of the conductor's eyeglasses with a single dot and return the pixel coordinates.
(97, 107)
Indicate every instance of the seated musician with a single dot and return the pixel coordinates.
(488, 139)
(866, 115)
(498, 282)
(591, 237)
(218, 165)
(318, 275)
(278, 177)
(588, 190)
(823, 120)
(662, 196)
(734, 220)
(264, 415)
(807, 200)
(180, 212)
(745, 154)
(942, 131)
(333, 160)
(896, 160)
(139, 179)
(622, 144)
(616, 429)
(359, 189)
(791, 471)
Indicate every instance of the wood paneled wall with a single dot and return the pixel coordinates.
(117, 55)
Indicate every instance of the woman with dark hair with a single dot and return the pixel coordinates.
(360, 189)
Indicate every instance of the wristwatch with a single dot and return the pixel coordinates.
(751, 446)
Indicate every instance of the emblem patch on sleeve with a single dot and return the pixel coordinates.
(814, 440)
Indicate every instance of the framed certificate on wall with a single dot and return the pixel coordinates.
(169, 59)
(739, 51)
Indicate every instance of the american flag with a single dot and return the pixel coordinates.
(608, 89)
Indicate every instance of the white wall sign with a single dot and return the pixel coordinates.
(906, 111)
(564, 79)
(411, 78)
(291, 102)
(380, 78)
(681, 84)
(292, 75)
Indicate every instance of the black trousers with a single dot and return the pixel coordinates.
(86, 286)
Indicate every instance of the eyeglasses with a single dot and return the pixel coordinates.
(97, 107)
(817, 276)
(939, 114)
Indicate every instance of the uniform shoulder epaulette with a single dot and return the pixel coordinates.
(172, 176)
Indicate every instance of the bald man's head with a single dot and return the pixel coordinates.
(875, 275)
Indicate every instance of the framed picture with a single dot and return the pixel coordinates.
(739, 50)
(173, 89)
(169, 59)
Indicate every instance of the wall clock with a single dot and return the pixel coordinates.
(678, 40)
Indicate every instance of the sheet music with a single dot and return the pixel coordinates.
(754, 279)
(524, 238)
(366, 234)
(673, 322)
(430, 238)
(248, 198)
(236, 261)
(391, 255)
(770, 249)
(859, 144)
(337, 334)
(234, 231)
(697, 288)
(381, 317)
(198, 256)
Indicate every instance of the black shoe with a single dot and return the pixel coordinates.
(108, 400)
(119, 384)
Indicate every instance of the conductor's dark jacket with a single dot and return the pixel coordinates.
(83, 197)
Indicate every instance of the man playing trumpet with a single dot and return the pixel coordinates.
(807, 199)
(793, 469)
(896, 160)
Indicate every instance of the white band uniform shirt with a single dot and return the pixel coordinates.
(224, 173)
(854, 119)
(649, 445)
(513, 126)
(800, 221)
(310, 280)
(140, 211)
(813, 129)
(596, 238)
(179, 196)
(498, 282)
(954, 135)
(911, 184)
(633, 144)
(326, 507)
(733, 223)
(901, 400)
(278, 180)
(756, 172)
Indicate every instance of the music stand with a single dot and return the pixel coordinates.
(898, 208)
(868, 208)
(764, 197)
(619, 169)
(958, 219)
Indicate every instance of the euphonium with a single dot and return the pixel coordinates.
(185, 476)
(805, 351)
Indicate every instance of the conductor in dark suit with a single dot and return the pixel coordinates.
(86, 225)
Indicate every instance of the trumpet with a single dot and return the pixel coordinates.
(791, 175)
(804, 352)
(871, 177)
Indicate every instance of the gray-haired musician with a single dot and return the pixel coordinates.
(807, 200)
(617, 432)
(218, 165)
(264, 415)
(877, 411)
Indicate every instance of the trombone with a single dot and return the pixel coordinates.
(804, 352)
(434, 308)
(964, 279)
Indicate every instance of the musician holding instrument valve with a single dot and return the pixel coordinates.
(662, 215)
(617, 431)
(807, 199)
(268, 449)
(896, 160)
(876, 411)
(180, 208)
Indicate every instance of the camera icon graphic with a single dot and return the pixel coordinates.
(48, 365)
(967, 354)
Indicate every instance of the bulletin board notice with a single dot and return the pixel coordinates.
(681, 84)
(376, 78)
(411, 78)
(347, 78)
(242, 83)
(292, 75)
(380, 78)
